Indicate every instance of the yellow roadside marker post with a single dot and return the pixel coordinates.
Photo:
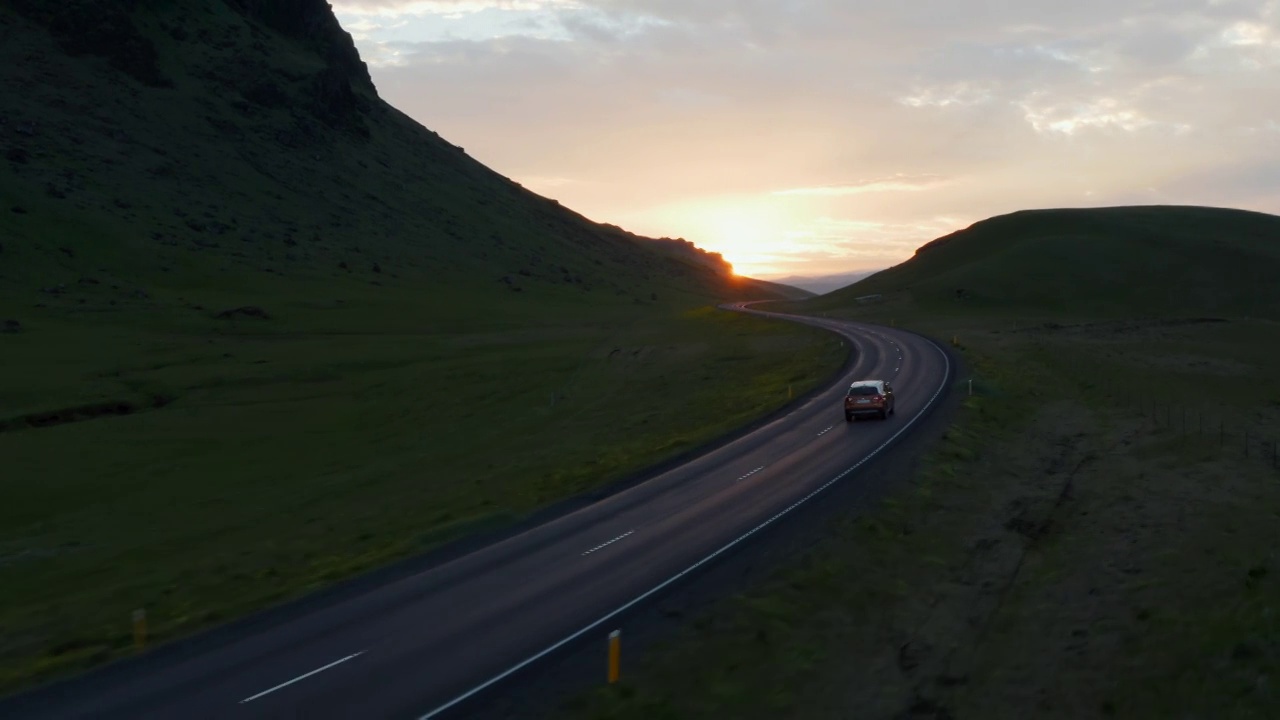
(615, 655)
(139, 629)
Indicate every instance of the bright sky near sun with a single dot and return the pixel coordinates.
(811, 137)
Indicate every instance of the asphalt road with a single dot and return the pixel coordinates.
(423, 646)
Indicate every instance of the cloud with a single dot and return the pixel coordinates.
(896, 183)
(1251, 181)
(1103, 113)
(960, 93)
(645, 103)
(449, 8)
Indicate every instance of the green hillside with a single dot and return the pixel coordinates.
(1159, 260)
(260, 331)
(156, 145)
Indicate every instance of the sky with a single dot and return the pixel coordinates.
(813, 137)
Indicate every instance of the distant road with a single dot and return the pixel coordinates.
(423, 646)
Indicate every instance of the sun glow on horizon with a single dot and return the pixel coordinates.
(747, 232)
(773, 235)
(744, 239)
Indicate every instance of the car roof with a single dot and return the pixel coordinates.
(877, 384)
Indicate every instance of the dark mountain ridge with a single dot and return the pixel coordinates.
(232, 138)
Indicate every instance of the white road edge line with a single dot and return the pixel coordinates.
(639, 598)
(301, 677)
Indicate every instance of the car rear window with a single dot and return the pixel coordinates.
(864, 390)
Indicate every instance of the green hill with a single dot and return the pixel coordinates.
(1156, 260)
(155, 145)
(260, 331)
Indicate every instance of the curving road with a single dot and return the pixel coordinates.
(423, 646)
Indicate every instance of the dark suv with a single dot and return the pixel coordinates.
(869, 397)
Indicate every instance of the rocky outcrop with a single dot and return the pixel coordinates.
(335, 102)
(339, 95)
(312, 22)
(333, 92)
(103, 28)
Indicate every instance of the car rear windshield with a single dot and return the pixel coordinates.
(864, 390)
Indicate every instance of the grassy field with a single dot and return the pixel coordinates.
(300, 449)
(260, 331)
(1062, 553)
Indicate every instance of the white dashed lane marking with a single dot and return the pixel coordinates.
(601, 546)
(753, 472)
(824, 432)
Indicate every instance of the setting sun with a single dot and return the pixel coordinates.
(747, 232)
(743, 238)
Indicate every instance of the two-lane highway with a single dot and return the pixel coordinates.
(425, 645)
